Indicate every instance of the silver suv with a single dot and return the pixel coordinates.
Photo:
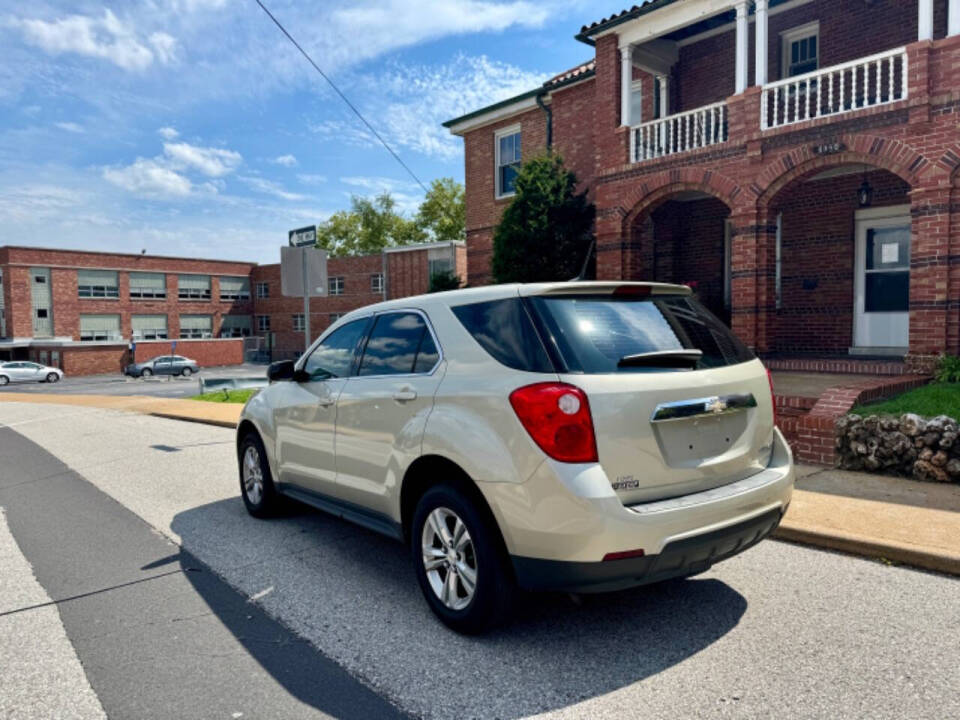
(563, 436)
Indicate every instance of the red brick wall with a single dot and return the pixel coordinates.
(408, 273)
(816, 313)
(207, 353)
(356, 272)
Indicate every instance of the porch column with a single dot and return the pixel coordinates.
(664, 95)
(926, 19)
(743, 47)
(761, 30)
(626, 80)
(953, 18)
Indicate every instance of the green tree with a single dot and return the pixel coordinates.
(369, 226)
(443, 211)
(546, 230)
(444, 280)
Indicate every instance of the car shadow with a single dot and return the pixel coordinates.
(353, 595)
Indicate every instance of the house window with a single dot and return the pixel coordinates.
(234, 288)
(147, 286)
(800, 52)
(439, 261)
(99, 328)
(335, 285)
(196, 326)
(263, 323)
(298, 323)
(334, 317)
(149, 327)
(194, 287)
(263, 290)
(234, 326)
(376, 283)
(97, 284)
(507, 142)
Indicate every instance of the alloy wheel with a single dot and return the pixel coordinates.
(252, 475)
(449, 558)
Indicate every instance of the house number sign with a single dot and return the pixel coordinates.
(828, 148)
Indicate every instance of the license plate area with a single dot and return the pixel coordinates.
(690, 442)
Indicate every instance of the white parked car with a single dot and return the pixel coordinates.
(23, 371)
(564, 436)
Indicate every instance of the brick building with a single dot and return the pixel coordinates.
(81, 310)
(796, 160)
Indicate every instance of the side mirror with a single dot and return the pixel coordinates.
(280, 370)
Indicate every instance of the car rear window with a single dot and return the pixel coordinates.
(593, 333)
(504, 329)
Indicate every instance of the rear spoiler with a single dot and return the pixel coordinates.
(604, 288)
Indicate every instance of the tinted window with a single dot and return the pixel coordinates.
(393, 344)
(427, 356)
(334, 356)
(594, 332)
(504, 329)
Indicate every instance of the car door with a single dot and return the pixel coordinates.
(383, 409)
(14, 371)
(305, 412)
(163, 366)
(32, 372)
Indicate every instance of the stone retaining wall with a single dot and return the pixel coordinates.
(907, 445)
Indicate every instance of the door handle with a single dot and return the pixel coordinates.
(325, 401)
(405, 395)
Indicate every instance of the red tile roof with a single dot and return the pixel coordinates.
(579, 71)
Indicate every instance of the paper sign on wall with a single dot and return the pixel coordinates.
(890, 253)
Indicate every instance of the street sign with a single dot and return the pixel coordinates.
(303, 267)
(303, 273)
(304, 237)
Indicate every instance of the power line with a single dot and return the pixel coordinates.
(342, 96)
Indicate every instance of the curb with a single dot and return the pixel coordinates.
(187, 418)
(853, 544)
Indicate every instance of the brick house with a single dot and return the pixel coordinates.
(796, 159)
(81, 310)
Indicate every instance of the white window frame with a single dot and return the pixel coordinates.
(150, 333)
(138, 293)
(501, 133)
(105, 291)
(263, 290)
(240, 295)
(195, 294)
(230, 331)
(189, 333)
(299, 322)
(376, 283)
(788, 37)
(336, 285)
(263, 327)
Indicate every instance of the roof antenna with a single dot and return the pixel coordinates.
(586, 262)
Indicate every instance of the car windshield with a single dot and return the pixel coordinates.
(607, 334)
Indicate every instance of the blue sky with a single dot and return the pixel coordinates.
(193, 127)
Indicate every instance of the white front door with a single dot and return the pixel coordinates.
(881, 317)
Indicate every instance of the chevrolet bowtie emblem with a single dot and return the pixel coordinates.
(715, 406)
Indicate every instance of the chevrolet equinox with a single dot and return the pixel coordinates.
(581, 437)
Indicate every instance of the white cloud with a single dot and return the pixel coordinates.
(285, 160)
(311, 179)
(168, 133)
(149, 177)
(107, 37)
(421, 98)
(214, 162)
(70, 127)
(271, 188)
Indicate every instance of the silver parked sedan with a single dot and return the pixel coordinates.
(24, 371)
(164, 365)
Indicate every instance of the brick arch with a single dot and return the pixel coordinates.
(658, 188)
(883, 153)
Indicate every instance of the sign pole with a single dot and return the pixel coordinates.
(306, 302)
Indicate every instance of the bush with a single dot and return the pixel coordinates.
(948, 369)
(546, 230)
(444, 280)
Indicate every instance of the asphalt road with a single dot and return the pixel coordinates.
(781, 631)
(116, 384)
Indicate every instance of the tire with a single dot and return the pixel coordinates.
(260, 498)
(52, 377)
(186, 372)
(146, 372)
(4, 380)
(482, 556)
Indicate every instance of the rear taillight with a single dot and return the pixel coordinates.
(773, 396)
(557, 416)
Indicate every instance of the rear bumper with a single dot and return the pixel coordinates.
(677, 559)
(561, 522)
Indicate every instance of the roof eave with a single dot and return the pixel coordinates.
(588, 36)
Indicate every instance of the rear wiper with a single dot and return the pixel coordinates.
(662, 358)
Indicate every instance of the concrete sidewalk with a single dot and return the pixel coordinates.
(898, 520)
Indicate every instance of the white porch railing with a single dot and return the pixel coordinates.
(679, 133)
(864, 83)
